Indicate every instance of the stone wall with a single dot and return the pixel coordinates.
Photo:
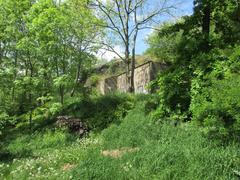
(107, 85)
(122, 83)
(143, 74)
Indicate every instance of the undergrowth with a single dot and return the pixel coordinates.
(164, 152)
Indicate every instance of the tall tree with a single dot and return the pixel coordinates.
(62, 33)
(12, 28)
(203, 10)
(123, 20)
(45, 50)
(81, 34)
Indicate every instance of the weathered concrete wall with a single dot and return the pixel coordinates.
(143, 74)
(122, 83)
(108, 85)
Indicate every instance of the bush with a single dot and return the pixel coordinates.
(42, 116)
(5, 121)
(93, 80)
(173, 94)
(215, 100)
(218, 107)
(99, 112)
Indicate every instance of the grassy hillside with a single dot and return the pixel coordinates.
(134, 149)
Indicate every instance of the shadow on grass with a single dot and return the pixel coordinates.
(7, 157)
(99, 112)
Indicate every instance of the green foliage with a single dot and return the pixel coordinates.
(163, 152)
(163, 45)
(93, 80)
(215, 97)
(36, 155)
(6, 121)
(41, 140)
(217, 107)
(44, 51)
(173, 93)
(99, 112)
(204, 48)
(42, 116)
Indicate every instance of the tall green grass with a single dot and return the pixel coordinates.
(165, 152)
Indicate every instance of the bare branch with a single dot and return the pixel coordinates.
(111, 49)
(114, 26)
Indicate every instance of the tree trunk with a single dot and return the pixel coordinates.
(134, 52)
(30, 120)
(30, 94)
(1, 53)
(132, 88)
(15, 74)
(206, 20)
(128, 72)
(127, 52)
(61, 89)
(76, 79)
(133, 60)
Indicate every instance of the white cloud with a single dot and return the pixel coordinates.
(108, 55)
(106, 1)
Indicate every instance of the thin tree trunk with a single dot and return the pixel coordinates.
(30, 94)
(127, 53)
(22, 105)
(128, 72)
(206, 20)
(61, 89)
(133, 62)
(64, 72)
(15, 74)
(76, 79)
(1, 53)
(132, 88)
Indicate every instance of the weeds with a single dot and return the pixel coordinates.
(161, 151)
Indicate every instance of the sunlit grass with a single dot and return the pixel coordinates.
(163, 152)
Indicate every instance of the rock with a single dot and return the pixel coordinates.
(73, 124)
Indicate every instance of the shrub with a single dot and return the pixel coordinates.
(151, 104)
(93, 80)
(173, 94)
(99, 112)
(41, 116)
(218, 107)
(215, 100)
(5, 121)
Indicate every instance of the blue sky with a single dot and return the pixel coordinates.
(186, 8)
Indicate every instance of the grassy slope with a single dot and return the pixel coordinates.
(165, 152)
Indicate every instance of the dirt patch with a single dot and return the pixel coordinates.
(116, 153)
(68, 166)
